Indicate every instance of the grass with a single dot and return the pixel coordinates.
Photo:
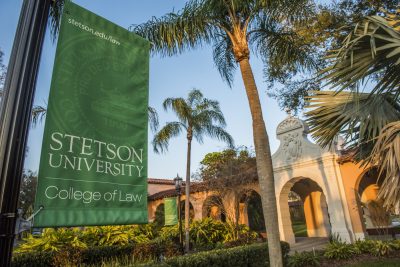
(378, 263)
(299, 229)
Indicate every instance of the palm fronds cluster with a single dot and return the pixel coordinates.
(369, 120)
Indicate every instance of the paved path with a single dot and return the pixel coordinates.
(308, 244)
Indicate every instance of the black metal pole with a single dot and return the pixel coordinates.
(15, 114)
(180, 221)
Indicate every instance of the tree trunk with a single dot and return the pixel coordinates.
(264, 166)
(187, 193)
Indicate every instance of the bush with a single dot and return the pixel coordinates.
(208, 234)
(252, 255)
(395, 244)
(53, 240)
(364, 246)
(303, 259)
(77, 238)
(33, 259)
(339, 250)
(381, 248)
(153, 250)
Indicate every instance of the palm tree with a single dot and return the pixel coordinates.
(234, 28)
(370, 121)
(197, 117)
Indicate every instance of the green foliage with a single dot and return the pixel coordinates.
(303, 259)
(381, 248)
(108, 235)
(33, 259)
(324, 31)
(232, 165)
(27, 193)
(364, 246)
(208, 233)
(64, 238)
(370, 52)
(395, 244)
(53, 240)
(340, 250)
(252, 255)
(96, 256)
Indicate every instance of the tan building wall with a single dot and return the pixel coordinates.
(351, 174)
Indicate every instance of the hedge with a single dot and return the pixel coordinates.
(96, 255)
(249, 255)
(255, 255)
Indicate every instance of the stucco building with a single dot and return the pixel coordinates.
(331, 189)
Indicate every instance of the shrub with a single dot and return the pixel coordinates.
(53, 240)
(395, 244)
(33, 259)
(303, 259)
(77, 238)
(252, 255)
(381, 248)
(364, 246)
(208, 234)
(95, 255)
(152, 250)
(339, 250)
(107, 235)
(208, 231)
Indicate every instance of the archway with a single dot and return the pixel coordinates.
(159, 219)
(375, 217)
(296, 209)
(314, 207)
(191, 210)
(213, 207)
(251, 212)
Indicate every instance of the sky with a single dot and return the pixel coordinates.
(169, 77)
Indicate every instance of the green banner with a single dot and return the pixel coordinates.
(170, 211)
(93, 165)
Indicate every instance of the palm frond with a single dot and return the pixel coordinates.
(195, 96)
(38, 114)
(373, 48)
(281, 46)
(153, 118)
(220, 134)
(224, 58)
(209, 117)
(386, 155)
(359, 117)
(56, 10)
(173, 33)
(179, 107)
(288, 11)
(161, 139)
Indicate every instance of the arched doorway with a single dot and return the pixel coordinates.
(191, 210)
(251, 212)
(296, 209)
(213, 207)
(159, 219)
(375, 218)
(315, 208)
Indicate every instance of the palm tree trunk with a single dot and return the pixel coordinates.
(187, 193)
(264, 165)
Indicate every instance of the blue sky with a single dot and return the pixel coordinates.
(169, 77)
